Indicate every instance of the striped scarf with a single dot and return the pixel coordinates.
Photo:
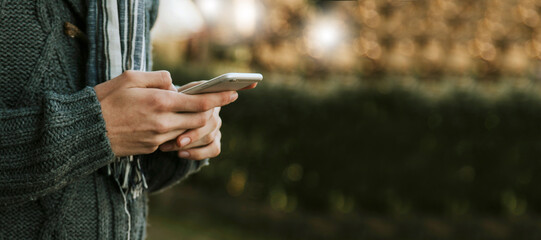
(116, 32)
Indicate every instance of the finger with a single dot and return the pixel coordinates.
(169, 146)
(252, 86)
(202, 141)
(156, 79)
(185, 143)
(167, 140)
(189, 85)
(208, 151)
(184, 121)
(202, 102)
(196, 137)
(201, 136)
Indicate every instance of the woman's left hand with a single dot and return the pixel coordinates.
(200, 143)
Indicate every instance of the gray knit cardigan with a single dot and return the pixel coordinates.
(53, 141)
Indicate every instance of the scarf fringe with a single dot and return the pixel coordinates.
(129, 175)
(116, 31)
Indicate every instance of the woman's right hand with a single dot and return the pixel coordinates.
(143, 110)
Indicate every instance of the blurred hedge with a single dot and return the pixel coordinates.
(381, 152)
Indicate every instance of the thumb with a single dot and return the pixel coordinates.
(189, 85)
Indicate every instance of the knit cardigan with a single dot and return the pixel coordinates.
(53, 140)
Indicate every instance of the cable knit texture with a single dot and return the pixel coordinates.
(53, 140)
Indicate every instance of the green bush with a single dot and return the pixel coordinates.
(382, 153)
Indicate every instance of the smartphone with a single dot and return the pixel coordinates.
(225, 82)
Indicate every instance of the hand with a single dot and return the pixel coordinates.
(143, 110)
(200, 143)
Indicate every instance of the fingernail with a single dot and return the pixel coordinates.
(184, 154)
(166, 147)
(184, 142)
(234, 96)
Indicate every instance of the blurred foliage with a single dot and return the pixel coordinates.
(373, 161)
(427, 39)
(390, 152)
(424, 38)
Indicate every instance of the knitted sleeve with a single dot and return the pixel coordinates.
(48, 145)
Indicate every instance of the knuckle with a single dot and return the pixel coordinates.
(226, 97)
(166, 76)
(151, 149)
(208, 115)
(159, 102)
(201, 120)
(208, 138)
(204, 105)
(217, 150)
(204, 119)
(150, 146)
(129, 73)
(153, 141)
(154, 99)
(161, 127)
(215, 135)
(219, 122)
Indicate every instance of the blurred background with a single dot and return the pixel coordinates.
(377, 119)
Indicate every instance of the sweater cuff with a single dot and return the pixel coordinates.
(68, 141)
(80, 121)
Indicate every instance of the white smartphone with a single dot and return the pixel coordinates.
(225, 82)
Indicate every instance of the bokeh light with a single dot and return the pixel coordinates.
(324, 36)
(245, 15)
(177, 20)
(211, 9)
